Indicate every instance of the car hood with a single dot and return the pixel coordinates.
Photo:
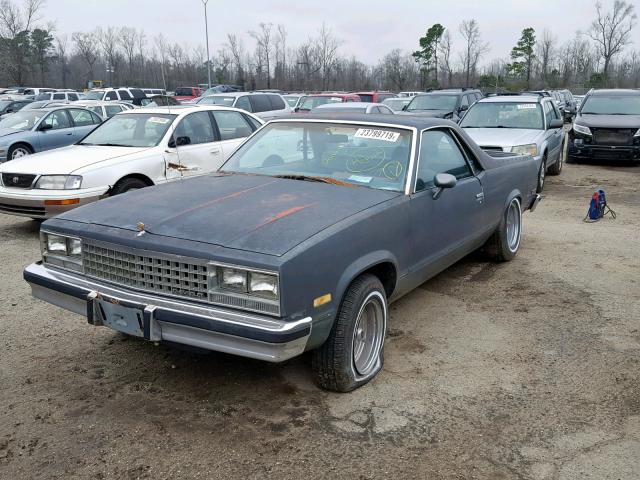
(503, 137)
(608, 121)
(63, 161)
(244, 212)
(428, 113)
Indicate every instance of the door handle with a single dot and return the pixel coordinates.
(480, 197)
(69, 133)
(215, 151)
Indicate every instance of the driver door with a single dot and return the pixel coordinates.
(446, 228)
(193, 149)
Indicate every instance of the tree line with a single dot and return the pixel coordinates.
(32, 53)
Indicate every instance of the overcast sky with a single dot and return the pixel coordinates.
(368, 28)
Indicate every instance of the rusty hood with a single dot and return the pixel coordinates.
(245, 212)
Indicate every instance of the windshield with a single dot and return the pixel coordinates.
(395, 103)
(374, 157)
(22, 120)
(95, 95)
(217, 100)
(34, 105)
(311, 102)
(4, 103)
(42, 96)
(504, 115)
(131, 130)
(184, 92)
(292, 100)
(433, 102)
(612, 105)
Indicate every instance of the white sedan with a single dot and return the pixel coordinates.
(132, 150)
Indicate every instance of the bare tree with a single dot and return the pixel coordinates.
(109, 42)
(128, 40)
(15, 18)
(611, 31)
(234, 44)
(86, 45)
(61, 54)
(327, 53)
(445, 56)
(546, 51)
(473, 50)
(264, 48)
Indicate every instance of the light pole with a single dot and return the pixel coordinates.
(206, 29)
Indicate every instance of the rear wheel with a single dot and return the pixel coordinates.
(505, 242)
(353, 353)
(128, 184)
(18, 151)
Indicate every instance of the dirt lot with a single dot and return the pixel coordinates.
(526, 370)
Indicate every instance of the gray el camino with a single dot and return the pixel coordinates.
(298, 243)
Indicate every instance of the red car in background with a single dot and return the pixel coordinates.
(187, 93)
(312, 101)
(374, 97)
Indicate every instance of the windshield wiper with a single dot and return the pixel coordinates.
(310, 178)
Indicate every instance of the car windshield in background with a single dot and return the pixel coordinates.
(184, 92)
(369, 156)
(312, 102)
(93, 96)
(216, 100)
(131, 130)
(433, 102)
(339, 110)
(4, 103)
(34, 105)
(42, 96)
(395, 104)
(504, 115)
(22, 120)
(292, 101)
(365, 98)
(612, 105)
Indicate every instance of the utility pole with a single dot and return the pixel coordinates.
(206, 29)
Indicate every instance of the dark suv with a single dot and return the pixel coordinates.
(607, 126)
(449, 104)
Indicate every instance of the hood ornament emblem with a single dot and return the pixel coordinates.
(140, 228)
(15, 179)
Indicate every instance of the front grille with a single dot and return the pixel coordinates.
(609, 136)
(22, 210)
(146, 272)
(17, 180)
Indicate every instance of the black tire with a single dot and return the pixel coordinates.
(556, 168)
(127, 184)
(334, 363)
(19, 147)
(499, 247)
(542, 174)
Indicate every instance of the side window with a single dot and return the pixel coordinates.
(232, 125)
(124, 95)
(58, 96)
(73, 97)
(58, 120)
(260, 103)
(549, 112)
(277, 103)
(464, 102)
(112, 110)
(97, 110)
(243, 104)
(254, 123)
(439, 153)
(111, 95)
(81, 118)
(385, 110)
(375, 110)
(196, 126)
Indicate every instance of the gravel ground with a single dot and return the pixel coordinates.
(525, 370)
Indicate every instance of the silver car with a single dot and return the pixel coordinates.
(352, 107)
(525, 124)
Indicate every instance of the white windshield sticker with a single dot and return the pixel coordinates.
(160, 120)
(360, 179)
(524, 106)
(384, 135)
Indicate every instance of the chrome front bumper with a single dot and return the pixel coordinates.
(211, 328)
(33, 203)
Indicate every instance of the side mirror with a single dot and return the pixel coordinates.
(464, 108)
(179, 142)
(442, 181)
(556, 123)
(45, 126)
(296, 110)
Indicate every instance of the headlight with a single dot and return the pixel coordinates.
(263, 285)
(59, 182)
(61, 250)
(233, 279)
(528, 149)
(637, 134)
(581, 129)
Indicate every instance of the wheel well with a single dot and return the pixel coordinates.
(138, 176)
(18, 144)
(386, 273)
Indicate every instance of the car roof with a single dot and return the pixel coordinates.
(349, 105)
(513, 99)
(182, 109)
(332, 95)
(616, 91)
(402, 121)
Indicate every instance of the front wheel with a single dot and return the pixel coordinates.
(353, 353)
(19, 151)
(505, 242)
(128, 184)
(542, 174)
(556, 168)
